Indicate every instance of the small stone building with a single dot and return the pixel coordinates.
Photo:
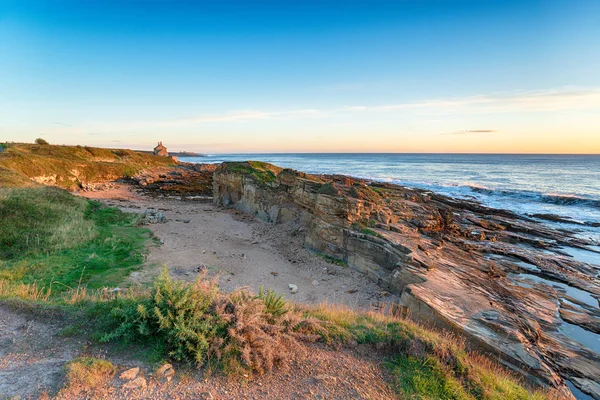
(161, 150)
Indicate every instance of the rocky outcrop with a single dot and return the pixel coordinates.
(503, 281)
(186, 181)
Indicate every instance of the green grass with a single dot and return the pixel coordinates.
(425, 379)
(333, 260)
(57, 240)
(371, 232)
(425, 364)
(262, 172)
(363, 229)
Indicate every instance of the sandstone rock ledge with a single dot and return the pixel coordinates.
(500, 279)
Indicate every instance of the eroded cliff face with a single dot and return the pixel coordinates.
(501, 280)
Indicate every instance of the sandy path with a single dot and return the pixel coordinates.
(242, 251)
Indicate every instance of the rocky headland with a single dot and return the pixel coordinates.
(507, 283)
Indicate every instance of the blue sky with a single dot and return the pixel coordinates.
(414, 76)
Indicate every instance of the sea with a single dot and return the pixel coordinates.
(564, 185)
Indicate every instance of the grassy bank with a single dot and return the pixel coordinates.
(70, 166)
(58, 252)
(59, 241)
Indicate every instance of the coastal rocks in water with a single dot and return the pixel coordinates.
(455, 263)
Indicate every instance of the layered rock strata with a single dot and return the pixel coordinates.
(503, 281)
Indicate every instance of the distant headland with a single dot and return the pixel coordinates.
(161, 150)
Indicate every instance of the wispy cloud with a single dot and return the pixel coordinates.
(470, 131)
(567, 98)
(560, 99)
(242, 116)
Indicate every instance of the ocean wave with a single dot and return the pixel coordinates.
(550, 198)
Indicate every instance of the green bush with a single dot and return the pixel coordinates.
(181, 315)
(200, 325)
(41, 141)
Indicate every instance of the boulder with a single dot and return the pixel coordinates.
(130, 374)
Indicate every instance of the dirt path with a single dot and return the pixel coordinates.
(33, 355)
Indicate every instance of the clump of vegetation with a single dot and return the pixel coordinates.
(426, 364)
(262, 172)
(60, 241)
(329, 189)
(363, 229)
(200, 325)
(41, 141)
(333, 260)
(361, 191)
(87, 376)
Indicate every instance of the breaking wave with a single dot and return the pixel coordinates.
(550, 198)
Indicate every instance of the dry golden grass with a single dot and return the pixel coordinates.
(70, 166)
(87, 377)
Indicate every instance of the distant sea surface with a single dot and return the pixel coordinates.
(564, 185)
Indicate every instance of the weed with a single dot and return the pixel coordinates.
(86, 376)
(333, 260)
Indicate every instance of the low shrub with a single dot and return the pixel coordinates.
(202, 326)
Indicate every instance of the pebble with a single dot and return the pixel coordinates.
(137, 383)
(130, 374)
(293, 288)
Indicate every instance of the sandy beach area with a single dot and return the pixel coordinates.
(241, 250)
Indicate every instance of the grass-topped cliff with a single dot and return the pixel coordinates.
(70, 166)
(58, 252)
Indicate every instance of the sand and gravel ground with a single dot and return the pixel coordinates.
(244, 252)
